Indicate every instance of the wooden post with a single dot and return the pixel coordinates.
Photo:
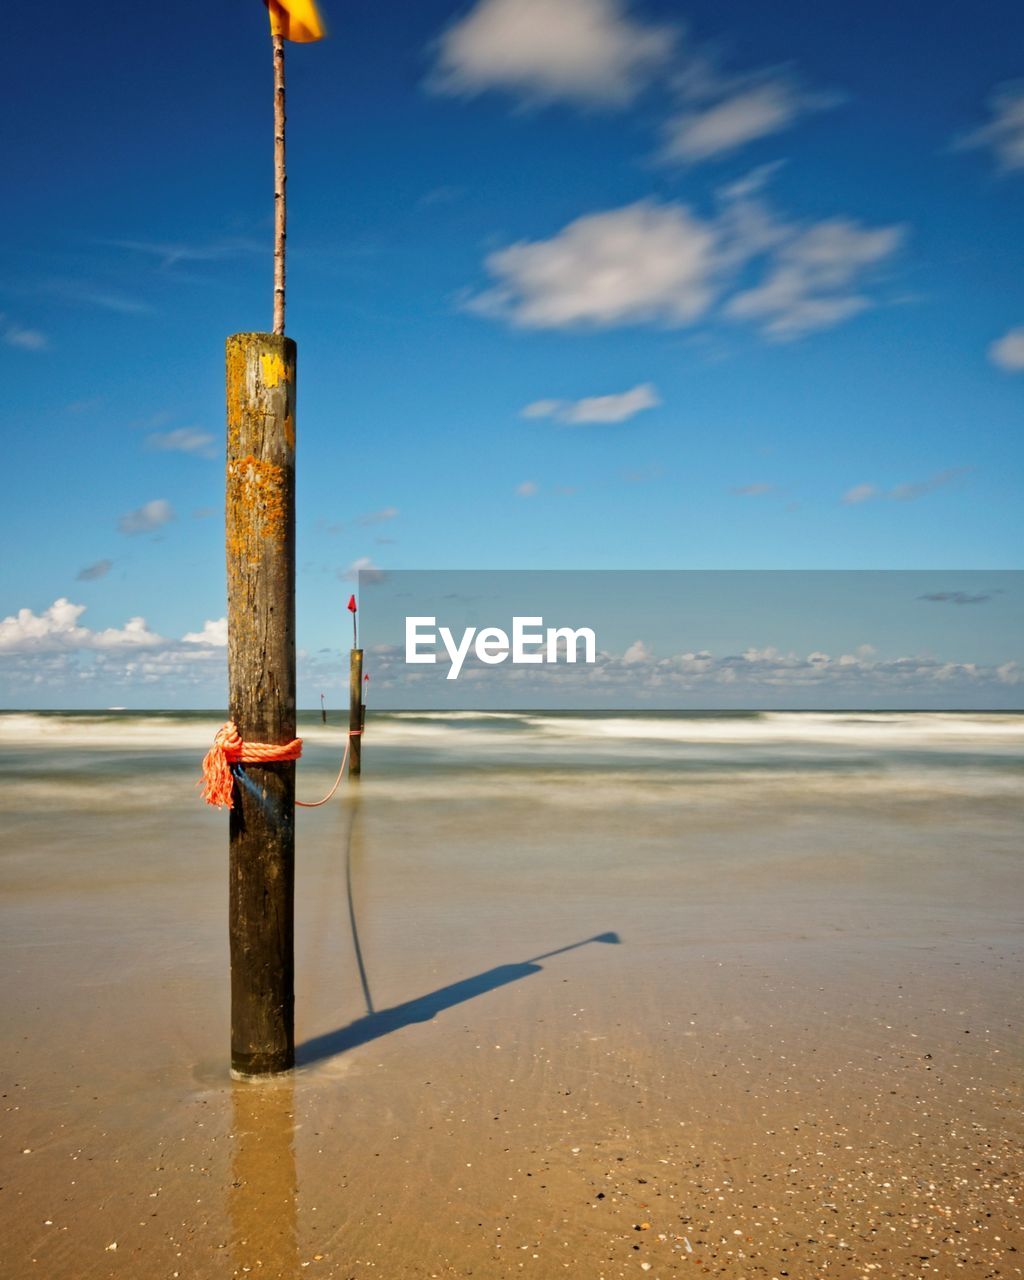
(355, 713)
(260, 529)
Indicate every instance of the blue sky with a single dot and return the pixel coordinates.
(575, 283)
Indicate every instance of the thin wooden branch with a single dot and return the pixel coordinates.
(280, 178)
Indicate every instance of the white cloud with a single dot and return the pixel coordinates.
(653, 263)
(443, 194)
(53, 653)
(747, 225)
(82, 293)
(170, 255)
(146, 518)
(366, 519)
(644, 263)
(183, 440)
(1007, 352)
(527, 489)
(28, 630)
(858, 677)
(813, 278)
(751, 183)
(214, 632)
(15, 335)
(754, 111)
(135, 632)
(379, 517)
(542, 409)
(636, 653)
(612, 408)
(921, 488)
(362, 565)
(1003, 136)
(57, 628)
(586, 51)
(909, 491)
(861, 493)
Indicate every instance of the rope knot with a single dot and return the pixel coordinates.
(217, 783)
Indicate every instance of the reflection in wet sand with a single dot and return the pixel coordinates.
(263, 1191)
(353, 851)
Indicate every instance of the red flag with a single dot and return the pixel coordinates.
(351, 604)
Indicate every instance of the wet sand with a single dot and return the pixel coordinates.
(780, 1036)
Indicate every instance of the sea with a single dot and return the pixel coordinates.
(150, 759)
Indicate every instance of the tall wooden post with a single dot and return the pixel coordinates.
(355, 714)
(260, 520)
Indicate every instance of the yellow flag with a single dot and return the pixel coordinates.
(296, 20)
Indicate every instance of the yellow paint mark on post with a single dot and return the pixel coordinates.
(274, 371)
(289, 431)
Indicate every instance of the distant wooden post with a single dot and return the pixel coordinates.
(260, 520)
(355, 714)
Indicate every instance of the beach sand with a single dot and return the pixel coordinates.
(780, 1035)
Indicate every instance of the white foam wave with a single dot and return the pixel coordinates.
(512, 732)
(883, 729)
(667, 734)
(28, 730)
(724, 789)
(129, 732)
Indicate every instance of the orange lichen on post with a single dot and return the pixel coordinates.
(255, 499)
(259, 487)
(261, 446)
(236, 365)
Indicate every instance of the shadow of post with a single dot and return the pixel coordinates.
(382, 1022)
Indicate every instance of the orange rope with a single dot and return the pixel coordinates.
(315, 804)
(217, 783)
(228, 749)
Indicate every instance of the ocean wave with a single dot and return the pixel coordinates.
(883, 729)
(110, 730)
(516, 731)
(595, 791)
(687, 736)
(725, 789)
